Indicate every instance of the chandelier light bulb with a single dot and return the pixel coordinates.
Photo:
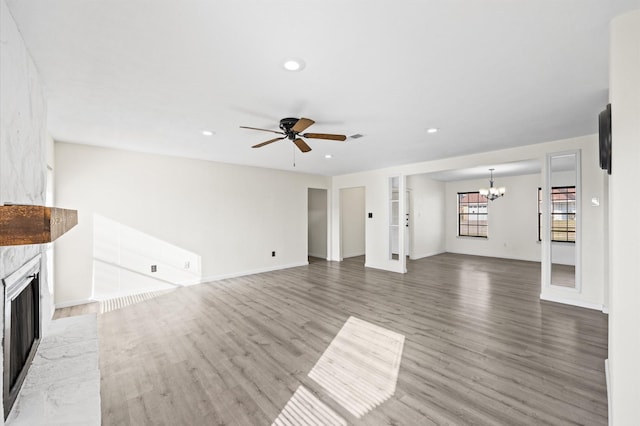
(492, 192)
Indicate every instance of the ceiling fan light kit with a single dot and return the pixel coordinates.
(291, 129)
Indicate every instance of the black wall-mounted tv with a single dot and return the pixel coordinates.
(604, 130)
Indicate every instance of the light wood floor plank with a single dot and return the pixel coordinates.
(480, 347)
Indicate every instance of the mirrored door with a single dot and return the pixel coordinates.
(563, 210)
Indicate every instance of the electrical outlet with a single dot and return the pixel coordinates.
(154, 268)
(187, 264)
(273, 254)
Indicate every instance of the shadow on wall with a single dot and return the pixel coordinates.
(127, 261)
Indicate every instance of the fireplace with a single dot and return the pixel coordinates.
(22, 327)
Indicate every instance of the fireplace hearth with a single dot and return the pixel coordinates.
(22, 327)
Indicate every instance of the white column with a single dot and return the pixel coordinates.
(624, 317)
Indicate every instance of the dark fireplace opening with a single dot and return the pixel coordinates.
(22, 327)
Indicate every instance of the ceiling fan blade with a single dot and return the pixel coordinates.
(268, 142)
(325, 136)
(262, 130)
(302, 145)
(302, 124)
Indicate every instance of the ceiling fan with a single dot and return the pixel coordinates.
(291, 128)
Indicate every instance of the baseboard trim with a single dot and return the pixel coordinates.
(245, 273)
(381, 268)
(71, 303)
(571, 302)
(348, 255)
(319, 256)
(524, 259)
(423, 255)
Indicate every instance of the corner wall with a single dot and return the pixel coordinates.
(231, 216)
(352, 202)
(427, 216)
(318, 222)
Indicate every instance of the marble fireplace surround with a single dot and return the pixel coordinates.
(16, 290)
(63, 383)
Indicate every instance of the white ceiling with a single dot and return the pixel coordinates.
(151, 75)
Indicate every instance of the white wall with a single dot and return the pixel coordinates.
(231, 216)
(624, 309)
(427, 216)
(513, 219)
(122, 259)
(318, 222)
(23, 154)
(352, 202)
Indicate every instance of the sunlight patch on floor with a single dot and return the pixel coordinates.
(124, 301)
(359, 369)
(305, 409)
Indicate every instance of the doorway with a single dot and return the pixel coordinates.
(317, 224)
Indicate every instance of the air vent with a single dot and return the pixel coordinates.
(356, 136)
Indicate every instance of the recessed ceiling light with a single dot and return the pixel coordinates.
(328, 156)
(207, 133)
(293, 64)
(432, 130)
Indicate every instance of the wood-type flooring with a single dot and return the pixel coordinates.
(480, 347)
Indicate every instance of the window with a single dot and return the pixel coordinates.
(563, 214)
(472, 215)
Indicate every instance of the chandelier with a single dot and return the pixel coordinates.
(492, 192)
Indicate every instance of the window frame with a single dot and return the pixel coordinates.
(553, 231)
(478, 205)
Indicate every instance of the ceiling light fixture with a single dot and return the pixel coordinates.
(293, 64)
(432, 130)
(492, 192)
(328, 156)
(207, 133)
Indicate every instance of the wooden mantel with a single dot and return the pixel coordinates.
(24, 224)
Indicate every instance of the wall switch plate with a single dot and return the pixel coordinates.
(154, 268)
(187, 264)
